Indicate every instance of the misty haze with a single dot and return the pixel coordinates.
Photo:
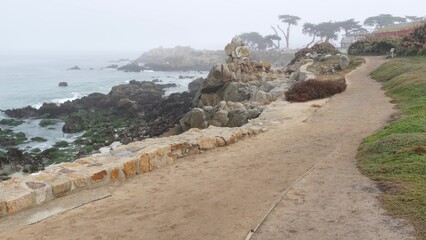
(212, 119)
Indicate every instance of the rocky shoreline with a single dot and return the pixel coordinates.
(233, 93)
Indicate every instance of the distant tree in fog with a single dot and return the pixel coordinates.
(415, 18)
(255, 41)
(328, 30)
(311, 30)
(350, 26)
(383, 20)
(288, 20)
(271, 39)
(276, 38)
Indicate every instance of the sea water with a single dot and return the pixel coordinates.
(30, 79)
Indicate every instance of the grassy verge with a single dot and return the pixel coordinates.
(396, 156)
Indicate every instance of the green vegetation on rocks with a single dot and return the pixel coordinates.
(11, 122)
(10, 138)
(47, 122)
(38, 139)
(396, 156)
(61, 144)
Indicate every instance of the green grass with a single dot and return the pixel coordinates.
(396, 156)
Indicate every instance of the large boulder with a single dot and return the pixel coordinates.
(220, 118)
(236, 92)
(237, 118)
(344, 62)
(196, 118)
(73, 124)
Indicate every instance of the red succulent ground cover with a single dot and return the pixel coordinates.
(315, 89)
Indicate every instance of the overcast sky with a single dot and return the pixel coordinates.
(139, 25)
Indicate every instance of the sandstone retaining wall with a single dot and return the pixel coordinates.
(119, 164)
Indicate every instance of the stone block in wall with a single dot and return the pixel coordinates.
(179, 149)
(114, 174)
(42, 191)
(220, 142)
(15, 197)
(207, 142)
(144, 162)
(60, 185)
(129, 167)
(79, 181)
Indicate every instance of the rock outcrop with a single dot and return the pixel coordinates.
(74, 68)
(234, 92)
(131, 67)
(344, 62)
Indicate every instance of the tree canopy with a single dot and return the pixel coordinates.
(415, 18)
(289, 20)
(328, 30)
(311, 30)
(255, 41)
(350, 26)
(383, 20)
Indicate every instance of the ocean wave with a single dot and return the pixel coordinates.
(57, 101)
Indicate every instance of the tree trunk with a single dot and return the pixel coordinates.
(285, 35)
(313, 40)
(288, 37)
(278, 41)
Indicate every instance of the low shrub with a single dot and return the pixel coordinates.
(414, 44)
(324, 48)
(320, 48)
(315, 89)
(373, 46)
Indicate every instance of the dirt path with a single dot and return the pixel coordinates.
(222, 194)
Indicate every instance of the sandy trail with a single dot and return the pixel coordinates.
(222, 194)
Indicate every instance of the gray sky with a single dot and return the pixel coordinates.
(138, 25)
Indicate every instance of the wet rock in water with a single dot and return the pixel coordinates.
(63, 84)
(73, 124)
(113, 66)
(25, 112)
(186, 77)
(132, 67)
(11, 122)
(74, 68)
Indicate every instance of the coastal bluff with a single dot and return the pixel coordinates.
(119, 164)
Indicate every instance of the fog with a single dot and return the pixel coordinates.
(136, 25)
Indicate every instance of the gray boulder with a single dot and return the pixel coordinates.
(196, 118)
(344, 62)
(262, 97)
(237, 118)
(221, 118)
(236, 92)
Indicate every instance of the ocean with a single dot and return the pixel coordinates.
(32, 78)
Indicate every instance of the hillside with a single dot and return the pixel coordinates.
(188, 59)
